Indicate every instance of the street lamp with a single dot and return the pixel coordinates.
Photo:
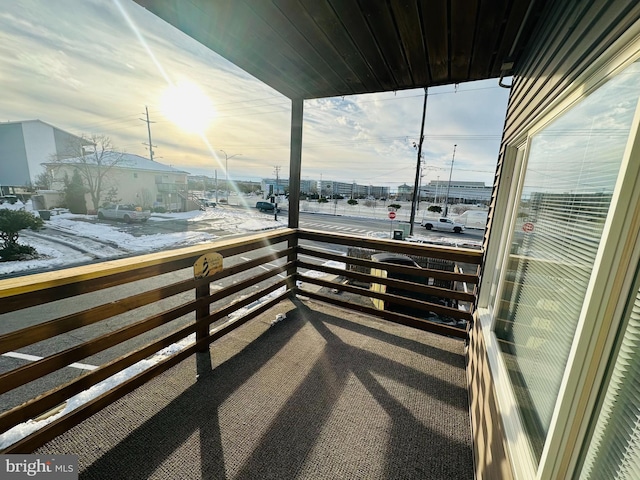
(226, 168)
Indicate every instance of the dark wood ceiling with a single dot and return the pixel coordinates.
(325, 48)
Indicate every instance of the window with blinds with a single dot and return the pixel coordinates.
(570, 175)
(614, 451)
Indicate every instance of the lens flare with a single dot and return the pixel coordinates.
(187, 106)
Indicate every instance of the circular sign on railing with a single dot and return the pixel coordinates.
(207, 265)
(528, 227)
(392, 215)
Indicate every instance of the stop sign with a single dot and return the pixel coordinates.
(392, 215)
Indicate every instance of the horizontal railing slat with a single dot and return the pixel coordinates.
(423, 272)
(18, 293)
(61, 425)
(391, 316)
(409, 302)
(462, 255)
(389, 282)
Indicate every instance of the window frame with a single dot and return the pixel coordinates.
(601, 311)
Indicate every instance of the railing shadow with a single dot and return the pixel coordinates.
(331, 387)
(146, 448)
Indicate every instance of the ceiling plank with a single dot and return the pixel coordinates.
(435, 21)
(295, 28)
(489, 28)
(233, 31)
(409, 25)
(462, 27)
(379, 19)
(338, 43)
(355, 24)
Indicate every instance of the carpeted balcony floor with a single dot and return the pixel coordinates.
(323, 394)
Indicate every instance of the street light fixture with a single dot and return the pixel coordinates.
(226, 168)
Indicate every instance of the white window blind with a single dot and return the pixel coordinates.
(614, 451)
(571, 171)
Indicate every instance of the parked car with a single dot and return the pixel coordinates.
(12, 199)
(266, 207)
(443, 224)
(126, 213)
(205, 202)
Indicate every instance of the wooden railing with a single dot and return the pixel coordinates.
(127, 310)
(418, 293)
(192, 316)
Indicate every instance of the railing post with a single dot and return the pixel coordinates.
(292, 272)
(202, 331)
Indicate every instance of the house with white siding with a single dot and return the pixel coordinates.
(137, 179)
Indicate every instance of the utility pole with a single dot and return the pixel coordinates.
(275, 210)
(148, 122)
(418, 166)
(420, 185)
(446, 201)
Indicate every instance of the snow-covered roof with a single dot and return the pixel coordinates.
(130, 161)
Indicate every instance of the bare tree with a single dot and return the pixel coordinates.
(43, 181)
(93, 157)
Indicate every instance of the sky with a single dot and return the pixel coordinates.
(92, 66)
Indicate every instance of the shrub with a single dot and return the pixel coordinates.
(435, 208)
(74, 194)
(15, 251)
(159, 210)
(11, 222)
(351, 201)
(323, 200)
(395, 205)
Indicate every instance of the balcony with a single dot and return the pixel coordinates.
(171, 188)
(263, 369)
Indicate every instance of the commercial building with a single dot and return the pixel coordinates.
(458, 192)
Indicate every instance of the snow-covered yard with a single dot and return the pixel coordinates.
(114, 240)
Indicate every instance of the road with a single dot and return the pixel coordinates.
(377, 228)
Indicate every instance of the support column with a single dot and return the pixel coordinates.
(295, 162)
(295, 169)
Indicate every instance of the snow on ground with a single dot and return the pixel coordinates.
(237, 220)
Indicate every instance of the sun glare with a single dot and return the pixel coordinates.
(186, 105)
